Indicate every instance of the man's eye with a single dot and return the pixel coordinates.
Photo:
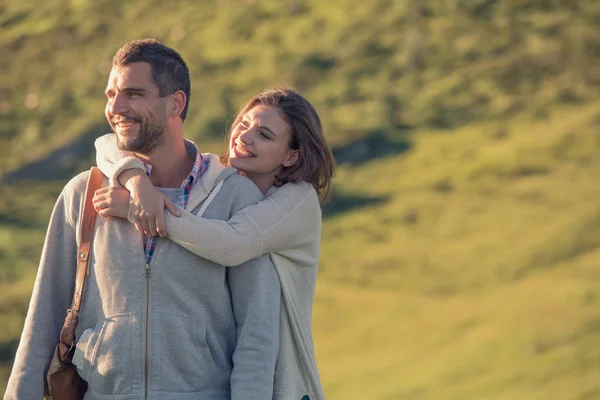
(133, 95)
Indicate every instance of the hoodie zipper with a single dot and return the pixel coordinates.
(147, 329)
(148, 269)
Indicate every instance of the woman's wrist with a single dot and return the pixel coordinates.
(129, 177)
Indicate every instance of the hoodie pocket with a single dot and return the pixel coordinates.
(186, 364)
(112, 366)
(84, 350)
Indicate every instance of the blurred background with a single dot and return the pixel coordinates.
(461, 250)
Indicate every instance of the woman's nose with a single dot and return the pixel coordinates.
(246, 137)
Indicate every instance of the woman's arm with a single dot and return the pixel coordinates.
(112, 161)
(288, 219)
(146, 203)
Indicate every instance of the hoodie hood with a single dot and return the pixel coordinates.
(215, 173)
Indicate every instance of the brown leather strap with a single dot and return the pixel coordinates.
(86, 234)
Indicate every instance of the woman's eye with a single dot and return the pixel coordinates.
(245, 123)
(263, 134)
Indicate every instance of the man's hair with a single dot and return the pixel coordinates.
(169, 72)
(315, 163)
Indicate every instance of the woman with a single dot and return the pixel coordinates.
(277, 141)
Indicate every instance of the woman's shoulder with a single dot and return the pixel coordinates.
(300, 191)
(295, 195)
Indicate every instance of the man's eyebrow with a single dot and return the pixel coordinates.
(133, 89)
(125, 89)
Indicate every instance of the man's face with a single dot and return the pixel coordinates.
(134, 109)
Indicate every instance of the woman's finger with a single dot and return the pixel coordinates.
(99, 197)
(138, 225)
(101, 205)
(145, 227)
(102, 191)
(169, 205)
(152, 225)
(161, 227)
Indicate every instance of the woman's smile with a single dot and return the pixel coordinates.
(241, 151)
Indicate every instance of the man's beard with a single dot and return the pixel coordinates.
(150, 136)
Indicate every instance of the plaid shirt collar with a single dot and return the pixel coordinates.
(197, 170)
(200, 166)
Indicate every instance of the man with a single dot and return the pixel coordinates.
(156, 320)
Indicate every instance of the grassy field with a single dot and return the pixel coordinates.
(461, 250)
(475, 279)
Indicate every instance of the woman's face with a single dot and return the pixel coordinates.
(259, 145)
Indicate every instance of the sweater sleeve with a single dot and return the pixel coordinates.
(284, 220)
(52, 294)
(112, 161)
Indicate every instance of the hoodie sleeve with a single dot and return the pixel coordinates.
(289, 218)
(52, 295)
(112, 161)
(256, 300)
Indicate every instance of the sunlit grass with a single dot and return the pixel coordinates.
(477, 288)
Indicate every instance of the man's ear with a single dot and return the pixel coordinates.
(177, 104)
(292, 158)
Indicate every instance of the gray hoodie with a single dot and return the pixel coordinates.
(187, 329)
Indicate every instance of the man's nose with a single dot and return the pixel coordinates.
(117, 105)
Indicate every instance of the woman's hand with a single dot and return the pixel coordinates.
(111, 202)
(146, 203)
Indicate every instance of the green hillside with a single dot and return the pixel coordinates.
(461, 251)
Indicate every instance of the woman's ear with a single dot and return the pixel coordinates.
(292, 158)
(177, 104)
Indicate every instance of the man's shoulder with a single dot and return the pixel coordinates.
(76, 186)
(78, 182)
(242, 190)
(242, 186)
(74, 190)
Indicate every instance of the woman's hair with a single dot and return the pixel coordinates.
(315, 163)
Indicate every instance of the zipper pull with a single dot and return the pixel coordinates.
(147, 270)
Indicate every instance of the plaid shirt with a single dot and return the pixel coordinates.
(200, 166)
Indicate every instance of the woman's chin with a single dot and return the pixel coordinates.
(238, 163)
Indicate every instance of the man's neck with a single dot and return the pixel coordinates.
(171, 163)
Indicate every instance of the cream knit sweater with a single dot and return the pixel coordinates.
(287, 225)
